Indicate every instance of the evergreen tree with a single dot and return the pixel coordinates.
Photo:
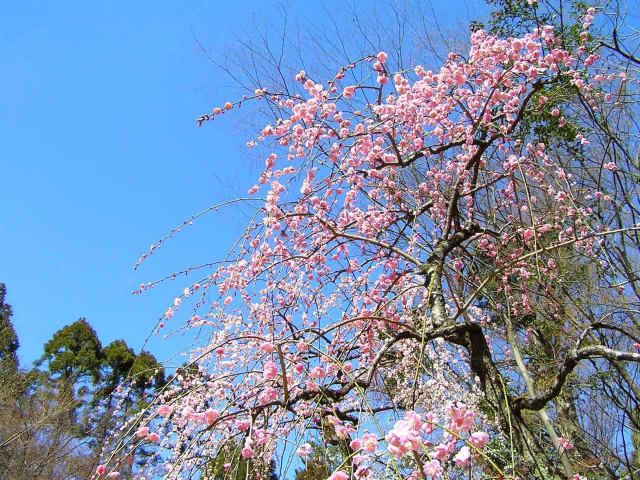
(118, 358)
(74, 352)
(323, 460)
(146, 372)
(8, 338)
(230, 465)
(53, 422)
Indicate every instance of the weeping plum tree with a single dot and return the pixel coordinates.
(438, 279)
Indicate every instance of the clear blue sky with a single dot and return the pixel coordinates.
(100, 154)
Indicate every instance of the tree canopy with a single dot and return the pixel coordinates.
(440, 274)
(8, 339)
(53, 423)
(74, 352)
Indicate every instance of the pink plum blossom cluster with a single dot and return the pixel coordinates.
(408, 436)
(383, 218)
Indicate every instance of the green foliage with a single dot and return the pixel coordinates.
(118, 358)
(40, 437)
(499, 452)
(53, 422)
(545, 126)
(511, 18)
(146, 372)
(8, 338)
(237, 468)
(74, 352)
(215, 469)
(324, 459)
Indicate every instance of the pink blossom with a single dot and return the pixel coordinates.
(369, 442)
(317, 372)
(565, 444)
(247, 452)
(349, 92)
(267, 347)
(142, 432)
(463, 457)
(611, 166)
(344, 430)
(528, 235)
(243, 425)
(270, 370)
(403, 438)
(461, 418)
(479, 439)
(338, 476)
(154, 437)
(101, 470)
(267, 396)
(312, 386)
(443, 451)
(211, 416)
(304, 450)
(433, 468)
(382, 57)
(164, 410)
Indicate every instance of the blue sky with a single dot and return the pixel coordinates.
(100, 154)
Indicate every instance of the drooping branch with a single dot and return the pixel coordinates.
(568, 365)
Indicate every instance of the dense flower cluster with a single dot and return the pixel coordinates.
(365, 264)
